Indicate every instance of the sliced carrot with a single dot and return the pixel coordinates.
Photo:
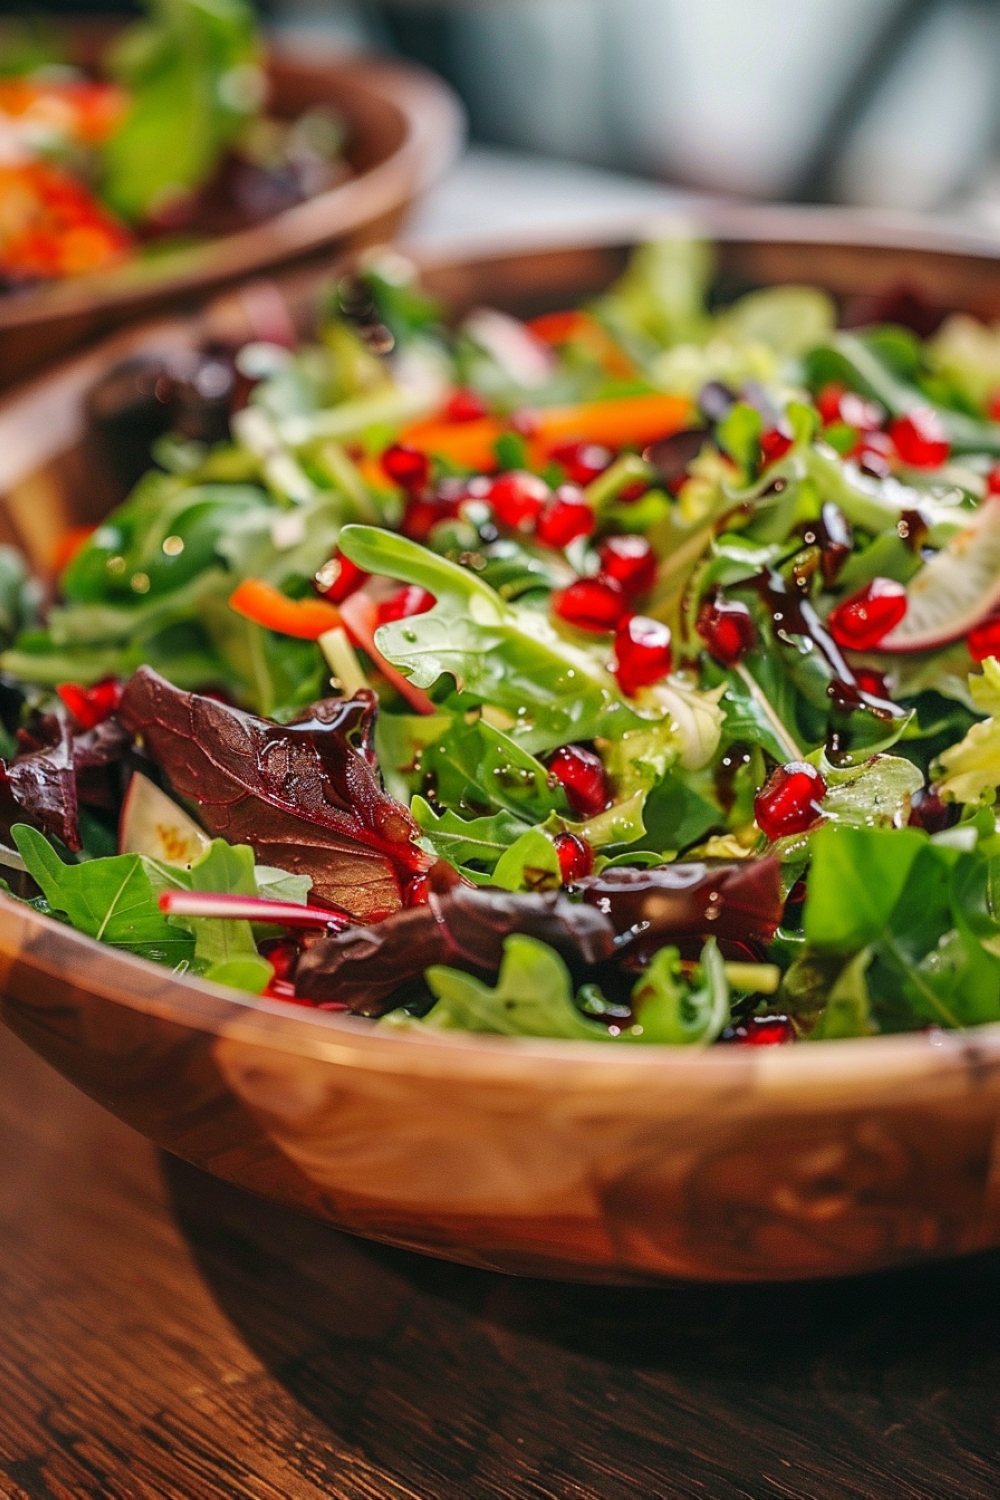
(306, 619)
(68, 544)
(622, 422)
(577, 326)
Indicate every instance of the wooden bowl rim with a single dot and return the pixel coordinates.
(853, 1069)
(432, 127)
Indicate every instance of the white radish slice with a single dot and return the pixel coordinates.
(955, 590)
(154, 825)
(359, 613)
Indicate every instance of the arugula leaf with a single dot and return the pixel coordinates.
(493, 652)
(464, 841)
(671, 1010)
(193, 76)
(533, 997)
(848, 1008)
(877, 792)
(477, 767)
(112, 900)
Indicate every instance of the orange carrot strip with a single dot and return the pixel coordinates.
(565, 327)
(622, 422)
(306, 619)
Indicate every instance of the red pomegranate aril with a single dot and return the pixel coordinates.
(407, 467)
(582, 774)
(789, 801)
(993, 481)
(565, 517)
(582, 462)
(642, 653)
(828, 401)
(575, 855)
(920, 439)
(727, 628)
(763, 1031)
(631, 561)
(90, 706)
(594, 604)
(423, 512)
(339, 578)
(860, 622)
(518, 498)
(871, 682)
(407, 601)
(929, 812)
(283, 956)
(983, 639)
(466, 406)
(774, 444)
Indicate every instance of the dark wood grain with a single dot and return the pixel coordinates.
(165, 1334)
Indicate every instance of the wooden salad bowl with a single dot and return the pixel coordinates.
(565, 1159)
(404, 128)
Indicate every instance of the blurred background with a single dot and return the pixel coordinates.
(583, 107)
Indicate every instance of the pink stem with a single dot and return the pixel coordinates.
(249, 909)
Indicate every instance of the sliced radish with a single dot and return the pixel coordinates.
(251, 909)
(955, 590)
(360, 616)
(152, 824)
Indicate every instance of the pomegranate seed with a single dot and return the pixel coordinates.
(518, 498)
(631, 561)
(789, 801)
(423, 512)
(582, 774)
(993, 481)
(283, 956)
(920, 439)
(596, 604)
(875, 454)
(576, 857)
(828, 402)
(582, 461)
(466, 406)
(993, 407)
(642, 653)
(983, 639)
(763, 1031)
(407, 601)
(871, 682)
(91, 706)
(566, 517)
(860, 622)
(927, 811)
(728, 630)
(774, 444)
(407, 467)
(339, 578)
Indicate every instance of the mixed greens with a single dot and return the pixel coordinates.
(171, 141)
(629, 674)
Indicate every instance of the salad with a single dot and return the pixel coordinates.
(630, 674)
(173, 140)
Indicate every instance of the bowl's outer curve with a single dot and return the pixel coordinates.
(567, 1159)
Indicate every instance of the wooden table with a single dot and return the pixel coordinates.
(164, 1335)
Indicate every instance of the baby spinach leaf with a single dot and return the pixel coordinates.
(112, 900)
(857, 877)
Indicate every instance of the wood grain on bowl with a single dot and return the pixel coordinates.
(404, 128)
(542, 1157)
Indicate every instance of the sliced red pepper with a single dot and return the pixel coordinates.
(306, 619)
